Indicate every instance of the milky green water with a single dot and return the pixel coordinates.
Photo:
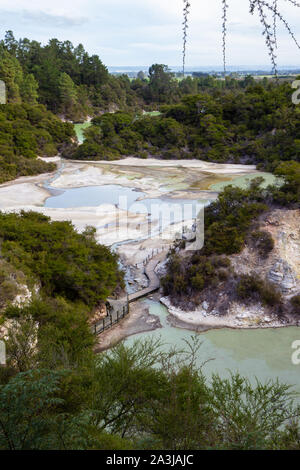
(152, 113)
(243, 181)
(262, 353)
(79, 128)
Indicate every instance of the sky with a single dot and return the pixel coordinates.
(143, 32)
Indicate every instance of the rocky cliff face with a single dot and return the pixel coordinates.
(282, 265)
(13, 290)
(283, 276)
(284, 226)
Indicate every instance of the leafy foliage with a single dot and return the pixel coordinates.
(188, 276)
(289, 192)
(229, 218)
(257, 125)
(142, 397)
(295, 301)
(263, 242)
(61, 76)
(26, 132)
(64, 262)
(228, 227)
(30, 415)
(251, 288)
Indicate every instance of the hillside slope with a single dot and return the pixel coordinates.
(220, 306)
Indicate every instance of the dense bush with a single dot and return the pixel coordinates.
(244, 126)
(189, 275)
(115, 135)
(228, 219)
(26, 132)
(139, 397)
(289, 192)
(64, 262)
(228, 222)
(12, 282)
(263, 242)
(295, 301)
(252, 288)
(65, 78)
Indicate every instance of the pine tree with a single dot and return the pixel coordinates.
(68, 93)
(12, 75)
(29, 89)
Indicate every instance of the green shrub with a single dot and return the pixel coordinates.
(64, 262)
(11, 282)
(143, 155)
(28, 131)
(295, 301)
(252, 288)
(188, 275)
(223, 274)
(263, 242)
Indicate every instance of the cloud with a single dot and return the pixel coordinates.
(57, 21)
(41, 19)
(143, 32)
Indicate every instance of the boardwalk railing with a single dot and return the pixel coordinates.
(115, 315)
(118, 309)
(155, 252)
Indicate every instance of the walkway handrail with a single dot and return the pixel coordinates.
(154, 285)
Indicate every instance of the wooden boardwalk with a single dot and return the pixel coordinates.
(120, 307)
(154, 283)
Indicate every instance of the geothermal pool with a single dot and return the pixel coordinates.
(262, 353)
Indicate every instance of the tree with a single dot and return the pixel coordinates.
(12, 74)
(68, 93)
(21, 344)
(10, 42)
(250, 416)
(162, 83)
(125, 381)
(29, 89)
(92, 70)
(141, 75)
(31, 416)
(66, 263)
(290, 172)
